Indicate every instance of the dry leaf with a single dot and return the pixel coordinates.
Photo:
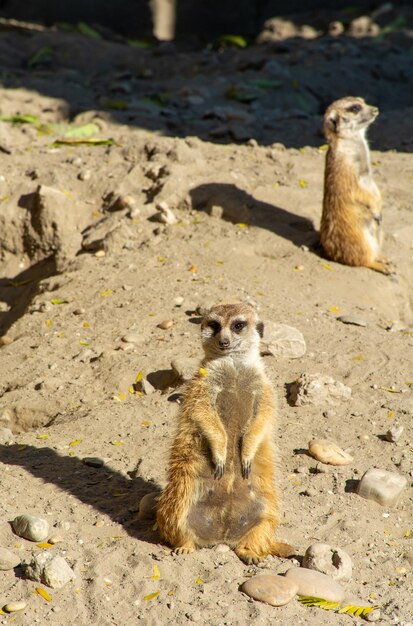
(139, 377)
(44, 545)
(44, 594)
(326, 266)
(105, 293)
(156, 573)
(360, 357)
(151, 596)
(334, 309)
(45, 436)
(75, 442)
(203, 371)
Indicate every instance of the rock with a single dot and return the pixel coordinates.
(147, 506)
(6, 437)
(270, 588)
(166, 324)
(373, 616)
(93, 461)
(185, 368)
(204, 308)
(329, 560)
(55, 225)
(144, 386)
(132, 337)
(352, 319)
(328, 452)
(95, 235)
(282, 340)
(381, 486)
(12, 607)
(49, 569)
(316, 584)
(84, 175)
(6, 340)
(8, 560)
(53, 539)
(222, 547)
(363, 26)
(317, 389)
(31, 527)
(165, 215)
(178, 301)
(394, 433)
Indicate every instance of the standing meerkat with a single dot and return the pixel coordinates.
(221, 478)
(350, 230)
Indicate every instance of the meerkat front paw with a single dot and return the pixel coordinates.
(246, 468)
(219, 469)
(187, 548)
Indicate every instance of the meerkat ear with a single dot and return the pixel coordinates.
(260, 329)
(332, 121)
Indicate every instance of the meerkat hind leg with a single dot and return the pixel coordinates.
(381, 265)
(258, 543)
(186, 548)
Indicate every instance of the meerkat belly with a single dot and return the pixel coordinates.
(225, 512)
(229, 507)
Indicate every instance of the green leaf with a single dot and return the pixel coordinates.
(58, 301)
(237, 41)
(83, 132)
(20, 119)
(139, 43)
(86, 30)
(267, 84)
(42, 54)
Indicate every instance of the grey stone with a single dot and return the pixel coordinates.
(381, 486)
(147, 506)
(49, 569)
(352, 319)
(312, 583)
(329, 560)
(93, 461)
(373, 616)
(270, 588)
(283, 340)
(132, 337)
(165, 215)
(185, 368)
(6, 436)
(13, 607)
(144, 386)
(8, 559)
(31, 527)
(394, 433)
(317, 389)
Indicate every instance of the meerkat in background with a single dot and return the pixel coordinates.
(350, 230)
(221, 479)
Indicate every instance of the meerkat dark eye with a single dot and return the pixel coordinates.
(354, 108)
(238, 326)
(216, 326)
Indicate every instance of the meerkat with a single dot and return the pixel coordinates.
(351, 230)
(221, 478)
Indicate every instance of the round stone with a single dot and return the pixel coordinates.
(132, 337)
(12, 607)
(166, 324)
(147, 506)
(49, 569)
(329, 560)
(8, 559)
(270, 588)
(31, 527)
(328, 452)
(315, 584)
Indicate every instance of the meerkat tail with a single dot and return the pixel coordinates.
(172, 510)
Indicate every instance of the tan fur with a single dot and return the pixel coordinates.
(221, 483)
(350, 231)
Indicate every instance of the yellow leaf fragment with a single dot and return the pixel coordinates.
(390, 390)
(146, 423)
(151, 596)
(48, 323)
(121, 396)
(334, 309)
(203, 371)
(323, 147)
(303, 183)
(84, 343)
(86, 325)
(156, 573)
(326, 266)
(44, 545)
(117, 443)
(106, 293)
(22, 447)
(407, 533)
(42, 592)
(75, 442)
(199, 581)
(241, 225)
(45, 436)
(131, 390)
(390, 414)
(161, 259)
(139, 377)
(193, 269)
(360, 357)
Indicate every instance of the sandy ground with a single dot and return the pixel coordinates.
(65, 378)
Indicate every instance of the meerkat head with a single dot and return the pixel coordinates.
(231, 330)
(348, 117)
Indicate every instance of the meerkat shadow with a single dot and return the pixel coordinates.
(227, 201)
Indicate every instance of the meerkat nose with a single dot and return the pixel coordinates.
(223, 343)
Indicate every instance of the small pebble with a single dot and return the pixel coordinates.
(84, 175)
(166, 324)
(6, 437)
(49, 569)
(31, 527)
(222, 547)
(93, 461)
(147, 506)
(352, 319)
(6, 340)
(132, 337)
(8, 559)
(55, 539)
(316, 584)
(178, 301)
(100, 254)
(12, 607)
(394, 433)
(409, 557)
(270, 588)
(328, 452)
(373, 616)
